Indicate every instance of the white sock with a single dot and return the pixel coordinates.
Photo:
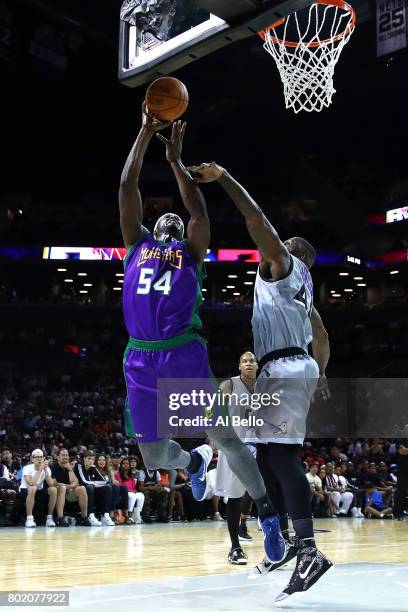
(49, 516)
(30, 516)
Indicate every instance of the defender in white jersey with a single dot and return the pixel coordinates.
(282, 332)
(284, 322)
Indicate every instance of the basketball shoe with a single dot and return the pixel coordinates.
(236, 556)
(199, 478)
(274, 543)
(265, 566)
(310, 567)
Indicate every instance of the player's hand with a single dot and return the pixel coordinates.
(174, 145)
(322, 389)
(151, 123)
(206, 173)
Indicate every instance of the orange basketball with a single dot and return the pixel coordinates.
(167, 98)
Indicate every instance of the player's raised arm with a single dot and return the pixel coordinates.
(262, 232)
(130, 201)
(321, 351)
(198, 229)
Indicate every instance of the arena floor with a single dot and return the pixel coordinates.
(183, 567)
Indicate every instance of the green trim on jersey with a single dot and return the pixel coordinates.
(196, 322)
(143, 234)
(127, 417)
(165, 344)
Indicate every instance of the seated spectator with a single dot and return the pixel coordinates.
(362, 474)
(380, 482)
(340, 499)
(374, 502)
(32, 488)
(98, 490)
(68, 488)
(120, 495)
(156, 498)
(116, 459)
(126, 478)
(319, 500)
(357, 499)
(12, 465)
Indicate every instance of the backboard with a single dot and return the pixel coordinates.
(159, 36)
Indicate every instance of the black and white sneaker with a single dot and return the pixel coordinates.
(265, 566)
(243, 534)
(310, 567)
(236, 556)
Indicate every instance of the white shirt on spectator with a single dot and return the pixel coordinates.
(29, 470)
(314, 480)
(6, 473)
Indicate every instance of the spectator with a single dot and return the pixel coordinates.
(126, 478)
(68, 488)
(7, 460)
(356, 499)
(362, 474)
(120, 495)
(156, 498)
(116, 459)
(98, 490)
(8, 486)
(32, 488)
(374, 502)
(318, 498)
(340, 499)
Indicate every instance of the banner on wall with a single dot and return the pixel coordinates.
(391, 26)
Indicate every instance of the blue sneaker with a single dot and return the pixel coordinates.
(274, 542)
(199, 478)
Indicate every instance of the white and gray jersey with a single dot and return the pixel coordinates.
(281, 310)
(240, 404)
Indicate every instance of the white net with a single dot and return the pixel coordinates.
(306, 49)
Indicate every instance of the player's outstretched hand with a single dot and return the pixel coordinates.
(206, 173)
(322, 389)
(151, 123)
(174, 145)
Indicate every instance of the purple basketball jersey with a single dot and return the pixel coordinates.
(161, 289)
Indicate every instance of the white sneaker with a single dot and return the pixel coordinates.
(137, 518)
(356, 513)
(50, 522)
(94, 521)
(106, 520)
(30, 522)
(218, 517)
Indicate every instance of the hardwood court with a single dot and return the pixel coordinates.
(79, 556)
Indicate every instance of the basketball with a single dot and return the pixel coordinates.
(167, 98)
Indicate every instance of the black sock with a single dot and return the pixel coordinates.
(284, 525)
(303, 528)
(265, 507)
(233, 516)
(195, 462)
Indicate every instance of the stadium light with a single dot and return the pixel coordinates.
(232, 276)
(343, 274)
(394, 272)
(230, 286)
(68, 280)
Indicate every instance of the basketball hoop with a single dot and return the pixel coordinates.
(306, 46)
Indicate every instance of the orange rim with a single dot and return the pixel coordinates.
(339, 3)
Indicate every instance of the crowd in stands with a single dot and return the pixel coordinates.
(60, 487)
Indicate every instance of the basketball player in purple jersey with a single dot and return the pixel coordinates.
(284, 323)
(161, 297)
